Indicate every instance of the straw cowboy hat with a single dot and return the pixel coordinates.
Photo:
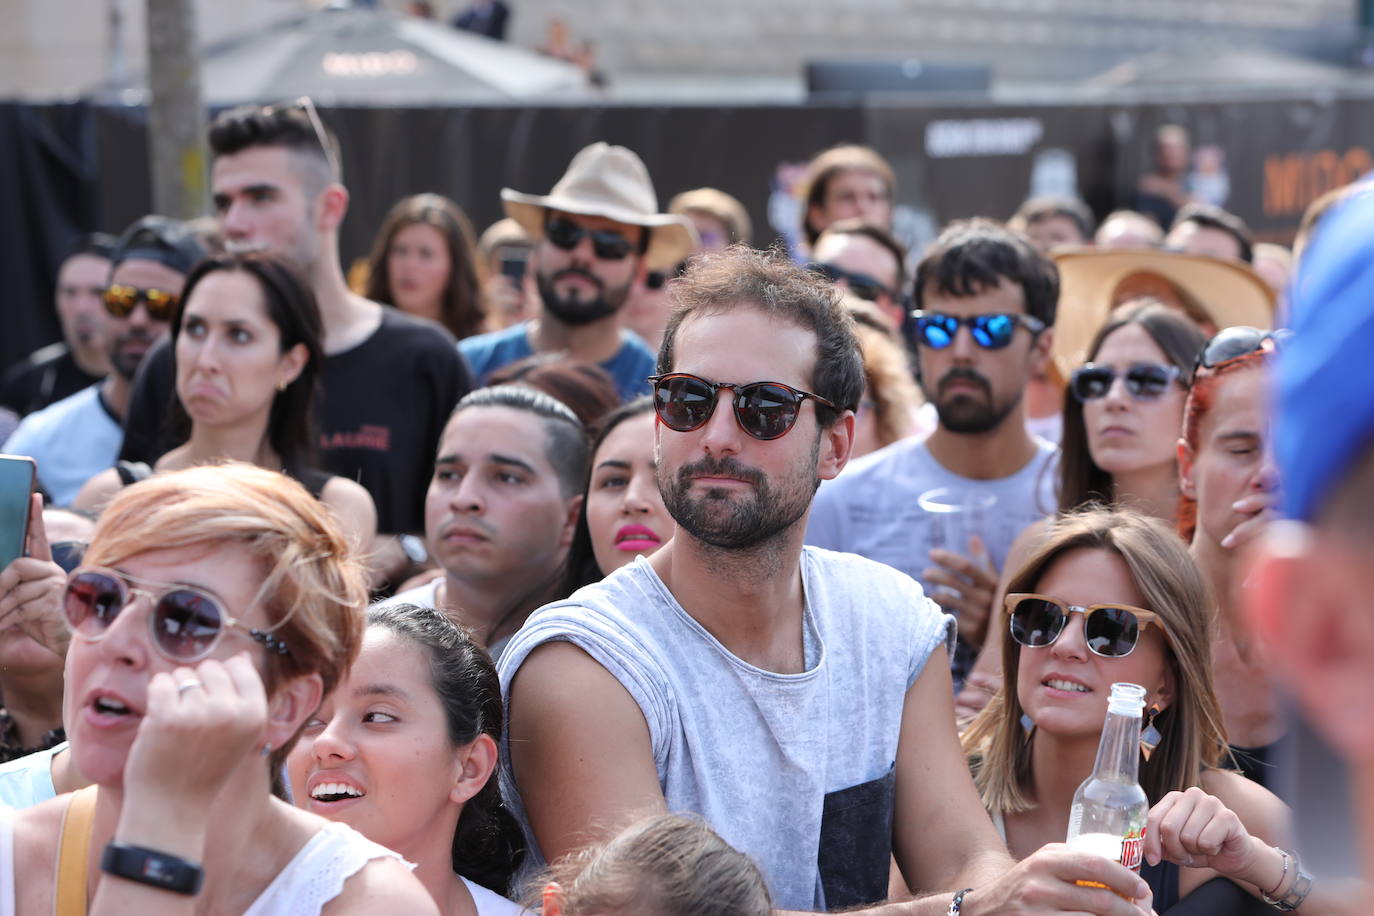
(1093, 281)
(608, 181)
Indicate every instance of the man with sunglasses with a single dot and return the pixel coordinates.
(796, 699)
(79, 436)
(985, 306)
(597, 234)
(866, 260)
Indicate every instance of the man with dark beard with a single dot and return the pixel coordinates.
(780, 692)
(79, 436)
(985, 306)
(596, 235)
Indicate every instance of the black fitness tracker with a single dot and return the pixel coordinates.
(148, 866)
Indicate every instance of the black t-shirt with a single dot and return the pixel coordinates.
(43, 377)
(381, 409)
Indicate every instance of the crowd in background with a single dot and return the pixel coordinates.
(601, 562)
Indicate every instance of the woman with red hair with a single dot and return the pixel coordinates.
(1230, 489)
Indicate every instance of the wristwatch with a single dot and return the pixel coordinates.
(148, 866)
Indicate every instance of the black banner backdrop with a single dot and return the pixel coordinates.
(66, 169)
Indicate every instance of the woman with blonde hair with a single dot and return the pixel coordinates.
(1112, 597)
(214, 609)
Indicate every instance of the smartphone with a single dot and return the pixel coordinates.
(16, 487)
(513, 263)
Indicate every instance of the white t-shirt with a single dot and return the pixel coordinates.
(26, 781)
(490, 903)
(72, 440)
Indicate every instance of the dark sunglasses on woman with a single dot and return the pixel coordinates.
(1109, 630)
(764, 410)
(120, 301)
(607, 244)
(185, 623)
(1239, 341)
(1144, 381)
(993, 331)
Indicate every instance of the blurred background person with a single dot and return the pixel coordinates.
(484, 17)
(79, 359)
(584, 388)
(1205, 229)
(623, 516)
(646, 311)
(1163, 190)
(246, 355)
(867, 262)
(846, 182)
(404, 751)
(1128, 229)
(1054, 222)
(424, 261)
(720, 220)
(508, 290)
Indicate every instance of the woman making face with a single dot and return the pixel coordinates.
(404, 751)
(212, 610)
(623, 513)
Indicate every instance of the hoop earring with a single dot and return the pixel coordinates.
(1149, 735)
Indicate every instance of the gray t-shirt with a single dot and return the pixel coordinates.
(796, 770)
(872, 508)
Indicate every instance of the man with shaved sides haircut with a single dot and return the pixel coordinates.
(501, 509)
(389, 379)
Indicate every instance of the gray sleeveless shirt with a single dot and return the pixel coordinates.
(797, 770)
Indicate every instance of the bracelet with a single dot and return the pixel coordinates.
(1268, 898)
(156, 869)
(956, 905)
(1297, 892)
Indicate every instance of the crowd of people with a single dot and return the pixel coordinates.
(446, 587)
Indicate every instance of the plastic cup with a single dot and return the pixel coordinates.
(955, 513)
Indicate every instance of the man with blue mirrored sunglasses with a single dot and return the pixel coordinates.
(985, 303)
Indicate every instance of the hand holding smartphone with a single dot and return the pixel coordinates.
(17, 475)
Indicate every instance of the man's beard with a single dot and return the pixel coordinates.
(573, 309)
(126, 364)
(967, 415)
(732, 519)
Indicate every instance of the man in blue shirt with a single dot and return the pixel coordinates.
(596, 235)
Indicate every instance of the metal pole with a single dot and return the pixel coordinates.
(176, 116)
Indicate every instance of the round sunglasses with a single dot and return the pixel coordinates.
(764, 410)
(1144, 381)
(608, 244)
(185, 623)
(1109, 630)
(992, 331)
(120, 301)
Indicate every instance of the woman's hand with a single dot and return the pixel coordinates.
(1044, 883)
(1260, 509)
(32, 589)
(1195, 829)
(198, 727)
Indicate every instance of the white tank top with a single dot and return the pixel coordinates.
(312, 878)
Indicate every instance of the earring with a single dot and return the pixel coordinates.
(281, 386)
(267, 749)
(1149, 735)
(1027, 724)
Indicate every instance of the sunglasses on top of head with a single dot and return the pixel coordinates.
(607, 244)
(764, 410)
(185, 623)
(120, 301)
(861, 285)
(1144, 381)
(1239, 341)
(993, 331)
(1109, 630)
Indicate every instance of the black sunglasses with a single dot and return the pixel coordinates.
(861, 285)
(608, 244)
(764, 410)
(656, 279)
(1109, 630)
(185, 623)
(993, 331)
(1239, 341)
(120, 301)
(1144, 381)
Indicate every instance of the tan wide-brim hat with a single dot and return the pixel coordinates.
(1227, 293)
(611, 182)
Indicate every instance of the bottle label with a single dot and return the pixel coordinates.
(1133, 849)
